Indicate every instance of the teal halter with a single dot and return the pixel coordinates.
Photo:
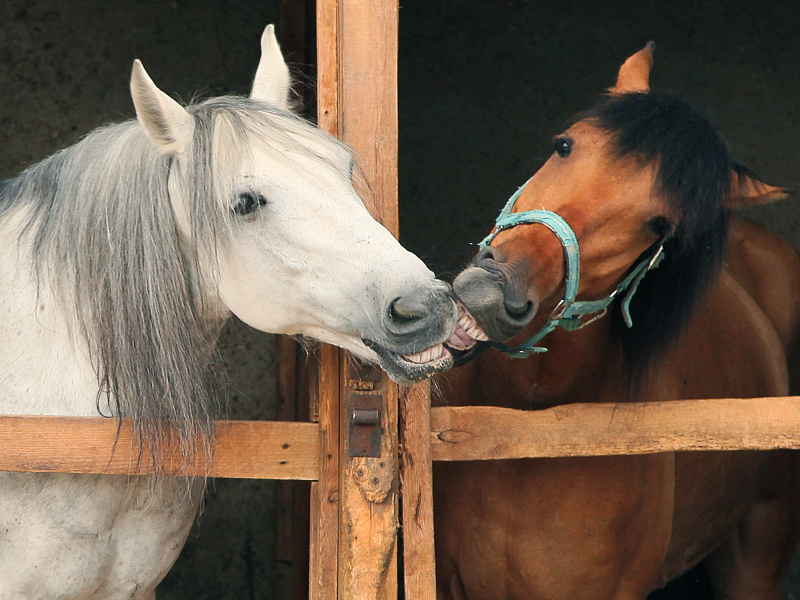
(569, 313)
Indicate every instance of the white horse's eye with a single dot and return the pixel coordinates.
(248, 203)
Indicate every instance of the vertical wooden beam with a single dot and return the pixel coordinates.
(285, 500)
(369, 494)
(357, 101)
(292, 497)
(324, 512)
(328, 65)
(368, 97)
(324, 522)
(419, 564)
(368, 39)
(324, 550)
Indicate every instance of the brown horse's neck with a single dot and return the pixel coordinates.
(573, 369)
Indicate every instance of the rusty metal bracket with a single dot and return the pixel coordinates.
(364, 413)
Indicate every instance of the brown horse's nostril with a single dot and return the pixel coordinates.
(488, 253)
(519, 311)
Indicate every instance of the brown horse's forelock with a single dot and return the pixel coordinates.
(694, 174)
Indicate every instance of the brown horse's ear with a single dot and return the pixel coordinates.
(634, 74)
(747, 190)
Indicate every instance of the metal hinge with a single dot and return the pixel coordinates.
(365, 411)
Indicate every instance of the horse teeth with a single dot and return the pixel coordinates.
(426, 356)
(468, 324)
(477, 333)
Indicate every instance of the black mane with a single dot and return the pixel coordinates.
(694, 175)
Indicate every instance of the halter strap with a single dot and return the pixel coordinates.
(570, 312)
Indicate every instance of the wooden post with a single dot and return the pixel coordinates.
(419, 564)
(324, 522)
(324, 526)
(292, 497)
(357, 101)
(368, 38)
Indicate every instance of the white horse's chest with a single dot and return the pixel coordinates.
(89, 537)
(75, 537)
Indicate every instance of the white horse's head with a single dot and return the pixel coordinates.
(294, 250)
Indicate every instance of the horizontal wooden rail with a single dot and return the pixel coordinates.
(483, 433)
(290, 450)
(244, 449)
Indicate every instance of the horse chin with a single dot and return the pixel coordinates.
(409, 369)
(404, 369)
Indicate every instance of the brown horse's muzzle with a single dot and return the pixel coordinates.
(497, 299)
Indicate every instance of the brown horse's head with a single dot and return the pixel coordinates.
(637, 169)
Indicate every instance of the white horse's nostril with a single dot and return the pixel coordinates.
(407, 310)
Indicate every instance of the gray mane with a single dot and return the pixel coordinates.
(106, 238)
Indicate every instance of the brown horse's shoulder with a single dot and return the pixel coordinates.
(731, 348)
(768, 269)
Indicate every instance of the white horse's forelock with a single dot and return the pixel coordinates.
(105, 239)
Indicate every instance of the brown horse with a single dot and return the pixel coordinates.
(639, 175)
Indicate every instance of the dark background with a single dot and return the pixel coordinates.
(483, 87)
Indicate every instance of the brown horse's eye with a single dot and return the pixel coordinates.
(659, 225)
(562, 146)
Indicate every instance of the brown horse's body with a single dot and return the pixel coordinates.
(619, 527)
(616, 528)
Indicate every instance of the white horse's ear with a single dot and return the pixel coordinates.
(634, 74)
(272, 81)
(165, 121)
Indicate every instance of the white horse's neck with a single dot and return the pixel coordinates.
(45, 369)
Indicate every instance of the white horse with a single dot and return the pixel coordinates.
(120, 259)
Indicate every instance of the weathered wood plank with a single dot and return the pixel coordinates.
(369, 502)
(481, 433)
(324, 547)
(367, 109)
(368, 98)
(419, 562)
(291, 497)
(276, 450)
(243, 449)
(324, 550)
(328, 66)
